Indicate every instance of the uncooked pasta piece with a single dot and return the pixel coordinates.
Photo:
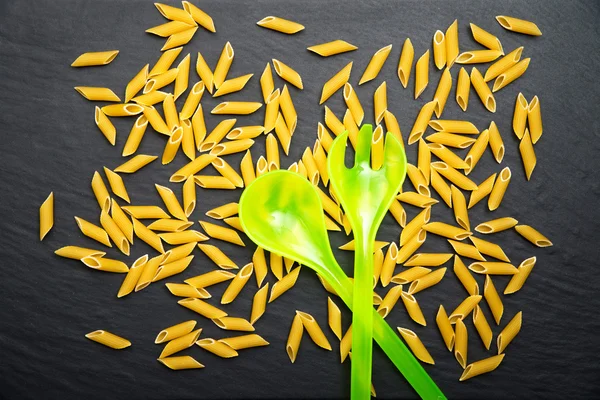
(442, 92)
(464, 308)
(234, 324)
(481, 367)
(77, 253)
(172, 145)
(284, 284)
(232, 147)
(180, 363)
(244, 342)
(483, 189)
(261, 168)
(520, 116)
(192, 101)
(271, 111)
(346, 344)
(287, 73)
(266, 82)
(151, 238)
(478, 56)
(135, 136)
(517, 280)
(426, 281)
(332, 48)
(108, 339)
(169, 28)
(276, 265)
(193, 167)
(146, 212)
(180, 343)
(187, 139)
(91, 59)
(465, 277)
(377, 149)
(452, 43)
(272, 150)
(482, 326)
(351, 127)
(466, 250)
(496, 225)
(421, 74)
(483, 90)
(320, 159)
(116, 184)
(454, 126)
(447, 230)
(439, 49)
(165, 62)
(185, 290)
(463, 89)
(409, 275)
(421, 122)
(159, 81)
(353, 103)
(156, 121)
(172, 268)
(151, 98)
(233, 85)
(247, 168)
(519, 25)
(418, 180)
(114, 232)
(407, 56)
(415, 345)
(450, 140)
(218, 348)
(199, 126)
(493, 300)
(375, 64)
(509, 332)
(179, 252)
(527, 154)
(171, 202)
(288, 110)
(314, 331)
(378, 258)
(105, 264)
(499, 189)
(93, 231)
(511, 74)
(175, 331)
(180, 38)
(333, 123)
(182, 79)
(445, 328)
(97, 93)
(459, 206)
(533, 236)
(314, 176)
(294, 338)
(413, 309)
(428, 259)
(259, 303)
(203, 308)
(237, 284)
(454, 176)
(334, 316)
(47, 215)
(503, 64)
(493, 268)
(461, 343)
(106, 127)
(416, 199)
(485, 38)
(389, 264)
(489, 249)
(174, 13)
(199, 16)
(170, 112)
(495, 142)
(177, 238)
(236, 107)
(217, 256)
(441, 187)
(414, 226)
(222, 233)
(280, 25)
(351, 246)
(210, 278)
(223, 65)
(379, 103)
(534, 119)
(205, 73)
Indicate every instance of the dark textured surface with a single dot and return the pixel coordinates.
(50, 143)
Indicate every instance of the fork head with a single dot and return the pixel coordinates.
(366, 194)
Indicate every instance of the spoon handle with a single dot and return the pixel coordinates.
(362, 319)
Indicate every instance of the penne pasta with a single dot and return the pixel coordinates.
(454, 126)
(199, 16)
(46, 216)
(478, 56)
(218, 348)
(97, 58)
(272, 151)
(533, 236)
(172, 268)
(421, 122)
(353, 103)
(266, 82)
(205, 73)
(377, 149)
(442, 92)
(106, 127)
(465, 277)
(260, 265)
(446, 230)
(489, 249)
(333, 123)
(314, 176)
(450, 140)
(418, 180)
(180, 343)
(459, 206)
(284, 284)
(203, 308)
(259, 303)
(236, 107)
(261, 167)
(169, 28)
(135, 136)
(415, 345)
(332, 48)
(452, 43)
(151, 98)
(481, 367)
(416, 199)
(156, 121)
(175, 331)
(170, 112)
(224, 211)
(421, 74)
(509, 332)
(534, 118)
(161, 80)
(271, 111)
(413, 309)
(192, 101)
(346, 344)
(493, 299)
(426, 281)
(108, 339)
(445, 327)
(247, 168)
(476, 151)
(280, 25)
(379, 102)
(441, 187)
(146, 212)
(114, 232)
(518, 25)
(334, 317)
(375, 64)
(482, 190)
(352, 128)
(516, 282)
(209, 278)
(389, 264)
(493, 268)
(496, 225)
(454, 176)
(511, 74)
(482, 326)
(320, 159)
(237, 284)
(276, 264)
(463, 89)
(234, 324)
(174, 14)
(180, 38)
(483, 90)
(287, 73)
(244, 342)
(486, 39)
(165, 61)
(93, 231)
(223, 65)
(464, 308)
(466, 250)
(233, 85)
(179, 252)
(232, 147)
(294, 338)
(182, 79)
(97, 93)
(185, 290)
(105, 264)
(77, 253)
(217, 256)
(499, 189)
(172, 146)
(180, 363)
(314, 330)
(116, 184)
(461, 343)
(520, 116)
(439, 49)
(222, 233)
(185, 237)
(495, 142)
(193, 167)
(413, 228)
(171, 202)
(503, 64)
(428, 259)
(407, 56)
(288, 110)
(410, 275)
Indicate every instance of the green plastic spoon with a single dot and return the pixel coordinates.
(282, 212)
(366, 196)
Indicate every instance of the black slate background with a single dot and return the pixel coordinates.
(50, 143)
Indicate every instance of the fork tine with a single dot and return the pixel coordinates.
(393, 156)
(337, 154)
(363, 147)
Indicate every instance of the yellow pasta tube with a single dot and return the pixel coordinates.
(334, 316)
(259, 303)
(464, 308)
(351, 127)
(426, 281)
(233, 85)
(91, 59)
(106, 127)
(476, 151)
(133, 276)
(193, 167)
(483, 90)
(247, 168)
(223, 65)
(482, 190)
(450, 140)
(148, 272)
(97, 93)
(271, 111)
(466, 250)
(218, 348)
(414, 226)
(445, 327)
(116, 184)
(185, 290)
(520, 116)
(511, 74)
(261, 167)
(260, 265)
(454, 176)
(77, 253)
(415, 345)
(217, 256)
(151, 98)
(236, 107)
(156, 121)
(108, 339)
(333, 123)
(442, 92)
(485, 38)
(377, 149)
(379, 102)
(284, 284)
(353, 103)
(496, 225)
(210, 278)
(172, 145)
(93, 231)
(493, 300)
(189, 196)
(314, 331)
(185, 237)
(182, 79)
(375, 64)
(272, 151)
(410, 275)
(534, 118)
(266, 82)
(180, 343)
(192, 101)
(441, 187)
(237, 284)
(424, 160)
(199, 16)
(389, 264)
(179, 38)
(482, 326)
(203, 308)
(180, 363)
(454, 126)
(478, 56)
(451, 43)
(418, 180)
(165, 61)
(346, 344)
(517, 280)
(378, 258)
(481, 367)
(105, 264)
(335, 83)
(122, 110)
(234, 324)
(146, 235)
(465, 277)
(280, 25)
(499, 189)
(332, 48)
(446, 230)
(169, 28)
(170, 111)
(161, 80)
(244, 342)
(135, 136)
(114, 232)
(205, 73)
(172, 268)
(503, 64)
(533, 236)
(407, 56)
(232, 147)
(171, 202)
(314, 176)
(463, 89)
(288, 110)
(350, 246)
(493, 268)
(421, 122)
(146, 212)
(439, 49)
(459, 206)
(428, 259)
(294, 338)
(413, 309)
(174, 14)
(461, 343)
(224, 211)
(509, 332)
(222, 233)
(421, 74)
(175, 331)
(46, 215)
(489, 249)
(287, 73)
(495, 142)
(416, 199)
(518, 25)
(179, 252)
(227, 172)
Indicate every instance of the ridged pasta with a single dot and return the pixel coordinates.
(465, 277)
(375, 64)
(105, 264)
(389, 264)
(518, 25)
(483, 90)
(223, 64)
(175, 331)
(379, 103)
(483, 189)
(218, 348)
(503, 64)
(421, 74)
(451, 43)
(108, 339)
(492, 298)
(97, 93)
(77, 253)
(91, 59)
(210, 278)
(332, 48)
(172, 268)
(244, 341)
(234, 324)
(415, 345)
(280, 25)
(222, 233)
(482, 326)
(439, 49)
(445, 328)
(509, 332)
(464, 308)
(185, 290)
(259, 303)
(353, 103)
(205, 73)
(233, 85)
(203, 308)
(199, 16)
(461, 343)
(511, 74)
(478, 56)
(294, 338)
(287, 73)
(217, 256)
(47, 215)
(485, 38)
(489, 249)
(532, 235)
(413, 309)
(499, 189)
(534, 119)
(442, 92)
(407, 56)
(237, 284)
(314, 330)
(466, 250)
(284, 284)
(421, 122)
(481, 367)
(447, 230)
(180, 343)
(334, 318)
(426, 281)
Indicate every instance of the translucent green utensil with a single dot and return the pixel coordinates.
(282, 212)
(366, 196)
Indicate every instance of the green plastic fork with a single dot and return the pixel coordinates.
(366, 195)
